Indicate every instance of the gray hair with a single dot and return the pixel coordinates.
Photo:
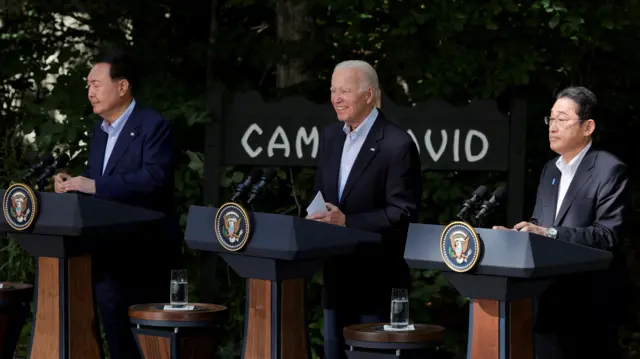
(369, 75)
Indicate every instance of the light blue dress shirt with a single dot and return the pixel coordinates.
(113, 131)
(351, 148)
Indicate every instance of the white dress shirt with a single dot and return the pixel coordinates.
(113, 131)
(568, 170)
(351, 148)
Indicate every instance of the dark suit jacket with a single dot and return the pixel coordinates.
(593, 213)
(140, 172)
(382, 194)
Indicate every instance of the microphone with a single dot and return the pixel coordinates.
(469, 204)
(59, 162)
(35, 169)
(246, 185)
(268, 175)
(491, 204)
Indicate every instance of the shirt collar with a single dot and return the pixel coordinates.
(364, 127)
(572, 166)
(118, 124)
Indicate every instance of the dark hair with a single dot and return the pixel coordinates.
(585, 99)
(123, 66)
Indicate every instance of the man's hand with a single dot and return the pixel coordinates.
(80, 184)
(332, 216)
(501, 227)
(530, 227)
(58, 180)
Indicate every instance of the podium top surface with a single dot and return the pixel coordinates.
(507, 253)
(278, 236)
(66, 214)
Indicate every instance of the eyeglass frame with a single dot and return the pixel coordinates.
(561, 123)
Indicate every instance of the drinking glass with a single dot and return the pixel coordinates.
(399, 308)
(179, 288)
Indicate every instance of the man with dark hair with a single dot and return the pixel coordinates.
(130, 161)
(583, 198)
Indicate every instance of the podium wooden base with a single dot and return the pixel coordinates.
(500, 329)
(64, 324)
(274, 312)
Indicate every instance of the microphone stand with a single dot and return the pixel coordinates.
(41, 184)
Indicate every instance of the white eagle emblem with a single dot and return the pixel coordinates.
(232, 225)
(19, 204)
(460, 244)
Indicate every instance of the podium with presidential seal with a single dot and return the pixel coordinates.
(500, 271)
(275, 253)
(61, 231)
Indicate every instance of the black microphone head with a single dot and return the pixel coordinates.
(255, 173)
(269, 174)
(499, 192)
(481, 191)
(46, 160)
(253, 177)
(61, 161)
(40, 166)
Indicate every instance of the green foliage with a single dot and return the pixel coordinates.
(453, 50)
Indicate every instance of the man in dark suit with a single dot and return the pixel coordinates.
(583, 198)
(130, 161)
(370, 176)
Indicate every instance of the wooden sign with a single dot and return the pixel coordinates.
(287, 133)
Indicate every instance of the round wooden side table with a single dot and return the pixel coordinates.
(367, 341)
(176, 334)
(15, 300)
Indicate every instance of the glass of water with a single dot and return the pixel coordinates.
(399, 308)
(179, 290)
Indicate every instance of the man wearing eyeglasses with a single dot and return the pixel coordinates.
(584, 198)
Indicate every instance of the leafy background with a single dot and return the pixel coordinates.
(454, 50)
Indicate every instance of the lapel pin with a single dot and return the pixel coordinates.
(553, 181)
(372, 149)
(132, 134)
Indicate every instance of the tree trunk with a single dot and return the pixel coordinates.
(292, 26)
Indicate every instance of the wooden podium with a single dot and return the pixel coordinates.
(514, 267)
(282, 252)
(62, 238)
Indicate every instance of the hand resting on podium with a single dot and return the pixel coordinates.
(525, 227)
(64, 183)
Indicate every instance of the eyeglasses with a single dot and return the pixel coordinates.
(561, 122)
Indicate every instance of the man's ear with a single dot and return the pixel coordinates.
(370, 95)
(590, 127)
(123, 87)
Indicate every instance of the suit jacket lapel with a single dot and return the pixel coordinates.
(99, 143)
(333, 167)
(368, 152)
(579, 179)
(127, 135)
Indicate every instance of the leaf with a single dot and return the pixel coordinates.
(237, 177)
(491, 25)
(510, 6)
(196, 161)
(197, 118)
(555, 20)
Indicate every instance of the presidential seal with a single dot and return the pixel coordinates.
(459, 246)
(19, 206)
(232, 226)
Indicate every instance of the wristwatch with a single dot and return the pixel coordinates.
(552, 232)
